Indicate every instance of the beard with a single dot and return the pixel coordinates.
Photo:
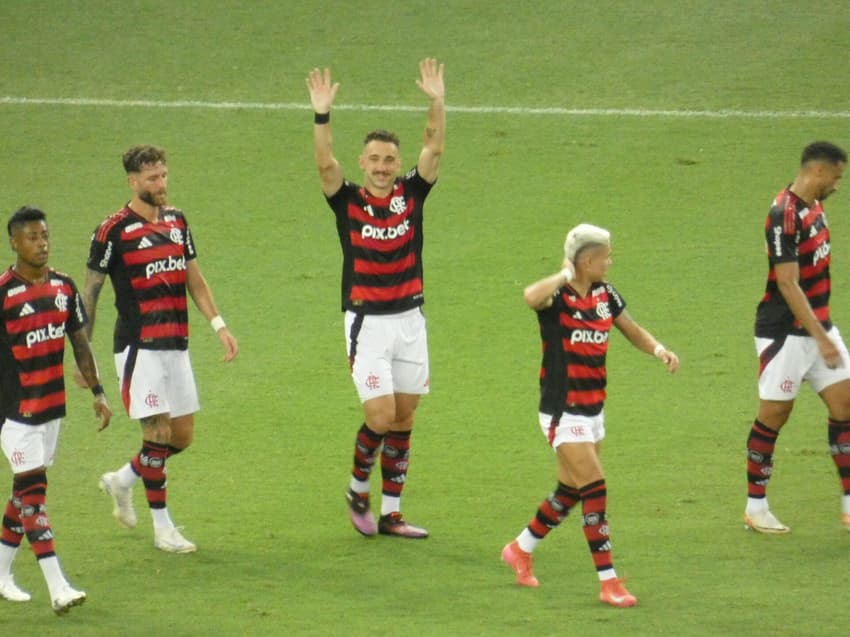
(158, 199)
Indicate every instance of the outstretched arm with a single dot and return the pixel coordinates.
(201, 294)
(645, 341)
(88, 370)
(322, 94)
(431, 83)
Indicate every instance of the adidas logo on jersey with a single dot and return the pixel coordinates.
(26, 310)
(144, 243)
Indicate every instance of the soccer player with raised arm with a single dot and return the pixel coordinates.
(379, 224)
(576, 309)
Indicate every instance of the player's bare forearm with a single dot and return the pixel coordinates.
(200, 290)
(800, 307)
(83, 357)
(322, 94)
(201, 294)
(645, 342)
(539, 294)
(89, 295)
(636, 335)
(433, 141)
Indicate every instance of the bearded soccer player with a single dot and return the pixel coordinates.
(794, 335)
(146, 248)
(576, 308)
(380, 231)
(38, 308)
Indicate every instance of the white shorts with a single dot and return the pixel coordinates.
(387, 353)
(784, 365)
(29, 447)
(156, 382)
(572, 428)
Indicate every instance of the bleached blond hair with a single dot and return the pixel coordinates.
(582, 236)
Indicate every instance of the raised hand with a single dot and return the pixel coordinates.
(431, 79)
(322, 90)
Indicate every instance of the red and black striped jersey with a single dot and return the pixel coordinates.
(795, 232)
(147, 265)
(34, 319)
(381, 240)
(574, 331)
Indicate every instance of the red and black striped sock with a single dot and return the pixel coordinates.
(594, 498)
(760, 446)
(13, 531)
(365, 452)
(394, 462)
(839, 447)
(31, 491)
(149, 463)
(553, 510)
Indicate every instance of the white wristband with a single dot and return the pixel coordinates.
(217, 323)
(567, 274)
(658, 349)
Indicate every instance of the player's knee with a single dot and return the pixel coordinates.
(157, 429)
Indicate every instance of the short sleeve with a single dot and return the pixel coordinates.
(781, 235)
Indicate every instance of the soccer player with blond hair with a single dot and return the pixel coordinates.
(576, 308)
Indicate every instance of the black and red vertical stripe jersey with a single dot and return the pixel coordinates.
(795, 232)
(574, 331)
(381, 240)
(147, 265)
(34, 319)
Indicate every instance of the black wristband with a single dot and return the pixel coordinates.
(321, 118)
(97, 389)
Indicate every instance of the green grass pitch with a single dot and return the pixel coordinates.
(261, 490)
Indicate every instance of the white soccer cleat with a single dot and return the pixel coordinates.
(765, 522)
(172, 541)
(10, 591)
(122, 500)
(66, 599)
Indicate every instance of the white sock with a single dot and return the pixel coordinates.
(126, 476)
(358, 486)
(757, 505)
(161, 519)
(53, 575)
(527, 542)
(390, 504)
(608, 573)
(845, 503)
(7, 556)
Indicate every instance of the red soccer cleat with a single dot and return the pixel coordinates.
(613, 592)
(520, 562)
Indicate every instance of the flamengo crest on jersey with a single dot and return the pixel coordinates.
(34, 319)
(381, 240)
(574, 332)
(147, 265)
(795, 233)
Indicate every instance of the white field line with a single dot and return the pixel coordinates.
(475, 110)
